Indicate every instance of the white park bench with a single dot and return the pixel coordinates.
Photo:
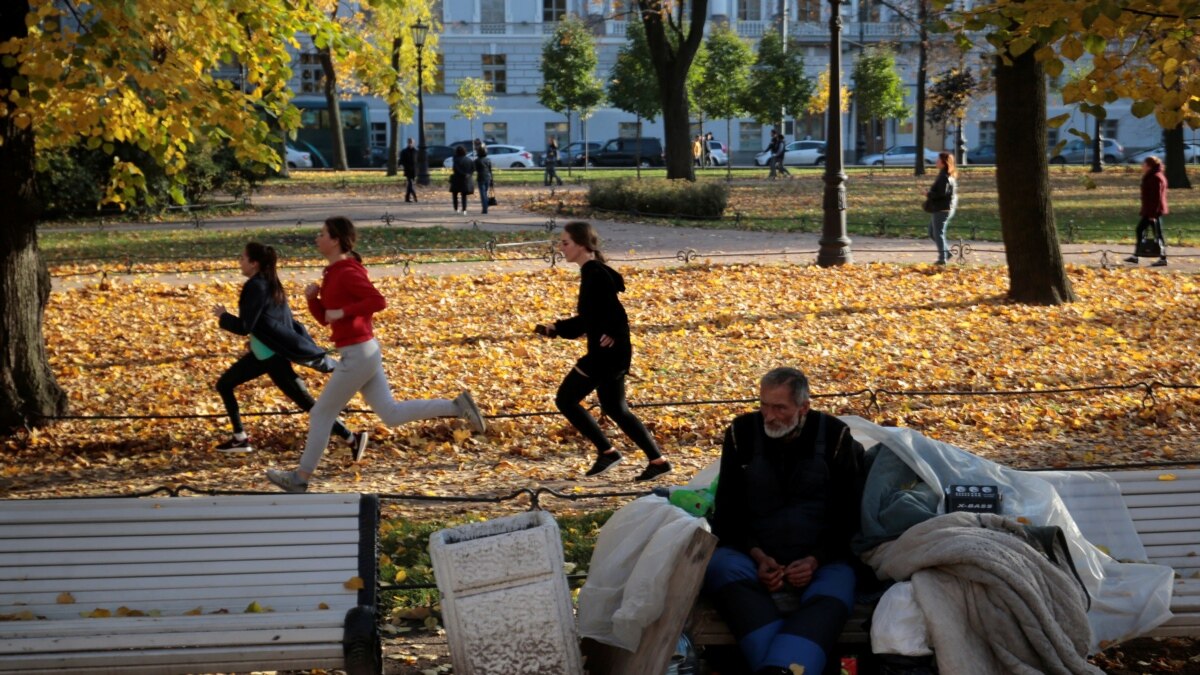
(1165, 507)
(189, 584)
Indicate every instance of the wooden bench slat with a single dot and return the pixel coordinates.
(152, 570)
(152, 528)
(117, 640)
(56, 585)
(176, 661)
(109, 515)
(287, 502)
(184, 626)
(1153, 476)
(1167, 535)
(197, 541)
(218, 554)
(138, 598)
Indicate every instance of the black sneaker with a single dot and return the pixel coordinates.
(233, 445)
(654, 471)
(604, 462)
(1161, 262)
(358, 445)
(1132, 260)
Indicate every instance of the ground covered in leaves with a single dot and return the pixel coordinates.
(871, 337)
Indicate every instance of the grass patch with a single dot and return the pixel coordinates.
(144, 247)
(701, 199)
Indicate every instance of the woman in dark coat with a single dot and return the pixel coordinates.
(277, 341)
(483, 176)
(602, 318)
(462, 179)
(942, 201)
(1154, 207)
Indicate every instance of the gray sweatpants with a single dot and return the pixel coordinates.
(361, 371)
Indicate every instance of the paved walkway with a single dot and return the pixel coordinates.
(624, 242)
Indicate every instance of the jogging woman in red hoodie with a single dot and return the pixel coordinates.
(345, 301)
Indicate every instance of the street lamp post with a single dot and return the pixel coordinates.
(419, 31)
(834, 245)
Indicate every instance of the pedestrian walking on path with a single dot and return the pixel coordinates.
(602, 318)
(551, 161)
(462, 179)
(941, 201)
(277, 341)
(345, 301)
(408, 160)
(1154, 207)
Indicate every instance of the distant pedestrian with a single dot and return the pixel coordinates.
(346, 301)
(770, 151)
(462, 180)
(552, 162)
(707, 149)
(698, 150)
(602, 319)
(483, 176)
(941, 201)
(408, 162)
(276, 341)
(781, 154)
(1154, 207)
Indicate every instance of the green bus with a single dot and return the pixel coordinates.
(314, 136)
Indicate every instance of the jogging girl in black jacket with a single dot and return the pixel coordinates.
(277, 341)
(602, 318)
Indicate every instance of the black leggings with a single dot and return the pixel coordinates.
(280, 369)
(464, 199)
(611, 392)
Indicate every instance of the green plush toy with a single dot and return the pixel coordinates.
(698, 503)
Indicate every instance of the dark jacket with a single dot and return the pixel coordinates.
(483, 170)
(551, 157)
(600, 313)
(941, 193)
(755, 499)
(408, 161)
(1154, 194)
(273, 324)
(462, 179)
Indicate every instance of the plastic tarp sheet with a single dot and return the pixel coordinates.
(1127, 599)
(630, 568)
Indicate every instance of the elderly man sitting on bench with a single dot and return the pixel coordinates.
(790, 494)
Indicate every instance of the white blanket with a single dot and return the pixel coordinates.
(992, 603)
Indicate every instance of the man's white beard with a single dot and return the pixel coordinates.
(780, 432)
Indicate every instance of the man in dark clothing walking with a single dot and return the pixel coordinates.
(788, 502)
(408, 161)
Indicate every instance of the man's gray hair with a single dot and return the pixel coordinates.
(793, 378)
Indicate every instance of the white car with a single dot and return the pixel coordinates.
(717, 153)
(899, 155)
(297, 159)
(797, 153)
(1191, 153)
(502, 156)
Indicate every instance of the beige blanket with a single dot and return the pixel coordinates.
(992, 603)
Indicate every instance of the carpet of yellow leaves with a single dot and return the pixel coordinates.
(701, 333)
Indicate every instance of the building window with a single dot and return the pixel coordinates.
(987, 133)
(495, 132)
(870, 11)
(750, 136)
(438, 85)
(495, 73)
(435, 133)
(809, 10)
(557, 131)
(1051, 138)
(629, 129)
(553, 10)
(810, 126)
(379, 134)
(312, 77)
(749, 10)
(1109, 128)
(491, 16)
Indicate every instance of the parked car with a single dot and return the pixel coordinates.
(436, 155)
(1079, 152)
(470, 144)
(627, 152)
(984, 154)
(899, 155)
(573, 153)
(718, 153)
(797, 153)
(297, 159)
(1191, 153)
(502, 156)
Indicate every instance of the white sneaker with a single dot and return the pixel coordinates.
(287, 481)
(468, 410)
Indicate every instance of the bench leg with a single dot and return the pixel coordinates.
(361, 643)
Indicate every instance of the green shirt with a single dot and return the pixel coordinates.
(260, 350)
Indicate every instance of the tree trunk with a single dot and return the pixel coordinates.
(1176, 163)
(28, 390)
(393, 154)
(922, 66)
(671, 64)
(1098, 147)
(335, 111)
(1035, 264)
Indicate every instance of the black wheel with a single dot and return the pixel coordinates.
(645, 164)
(517, 165)
(1058, 160)
(878, 163)
(291, 165)
(1109, 159)
(820, 162)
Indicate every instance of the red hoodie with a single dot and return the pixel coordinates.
(346, 287)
